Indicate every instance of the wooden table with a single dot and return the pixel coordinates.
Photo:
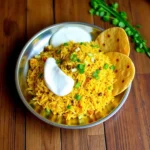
(129, 129)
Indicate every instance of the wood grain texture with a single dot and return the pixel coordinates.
(77, 10)
(12, 38)
(39, 135)
(72, 10)
(39, 15)
(92, 139)
(129, 129)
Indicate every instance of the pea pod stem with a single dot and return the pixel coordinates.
(135, 34)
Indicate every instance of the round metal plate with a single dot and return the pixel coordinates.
(33, 47)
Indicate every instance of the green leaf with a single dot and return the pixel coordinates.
(127, 29)
(147, 49)
(137, 41)
(110, 13)
(97, 13)
(129, 33)
(101, 9)
(141, 45)
(106, 18)
(136, 35)
(101, 14)
(92, 11)
(121, 24)
(148, 53)
(115, 6)
(140, 50)
(138, 26)
(123, 14)
(107, 14)
(115, 22)
(95, 5)
(144, 42)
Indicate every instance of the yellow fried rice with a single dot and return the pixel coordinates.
(92, 90)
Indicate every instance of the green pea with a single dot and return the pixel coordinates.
(107, 14)
(106, 18)
(97, 13)
(96, 74)
(136, 35)
(141, 45)
(77, 85)
(137, 41)
(148, 53)
(123, 14)
(115, 5)
(101, 9)
(129, 33)
(77, 97)
(92, 11)
(121, 24)
(81, 68)
(95, 5)
(101, 14)
(127, 29)
(115, 21)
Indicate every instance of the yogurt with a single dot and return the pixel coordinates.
(56, 80)
(67, 34)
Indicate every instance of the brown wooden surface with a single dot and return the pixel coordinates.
(129, 129)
